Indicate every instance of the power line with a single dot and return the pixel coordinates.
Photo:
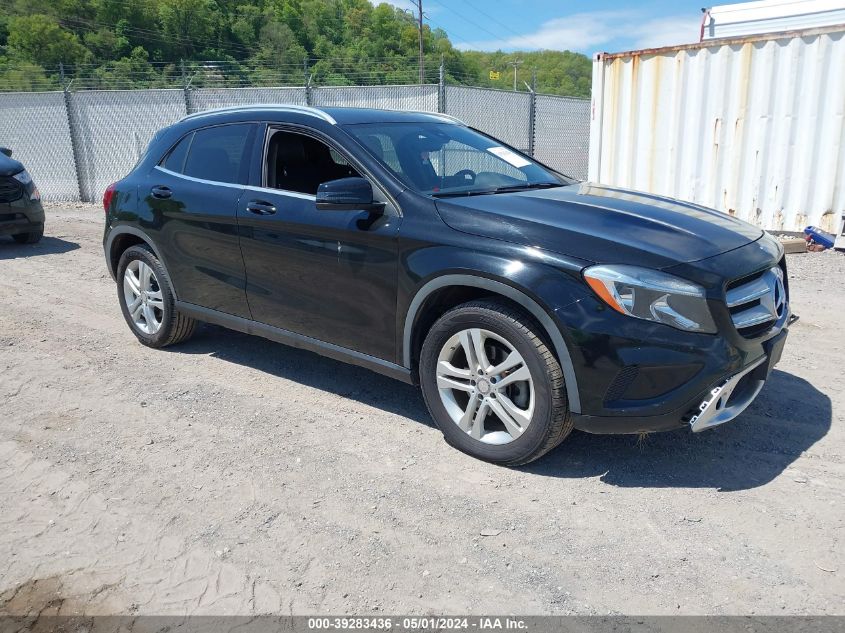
(487, 15)
(468, 20)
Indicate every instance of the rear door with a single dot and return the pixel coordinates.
(193, 196)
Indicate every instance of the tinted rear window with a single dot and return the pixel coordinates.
(175, 160)
(219, 153)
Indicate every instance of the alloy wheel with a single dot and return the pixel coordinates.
(142, 293)
(485, 386)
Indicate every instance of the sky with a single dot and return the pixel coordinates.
(586, 27)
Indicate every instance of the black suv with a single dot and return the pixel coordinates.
(524, 303)
(21, 213)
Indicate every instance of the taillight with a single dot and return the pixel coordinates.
(108, 194)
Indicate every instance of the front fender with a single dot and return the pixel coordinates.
(540, 288)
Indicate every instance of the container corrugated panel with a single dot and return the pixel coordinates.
(754, 127)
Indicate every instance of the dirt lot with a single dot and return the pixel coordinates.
(235, 475)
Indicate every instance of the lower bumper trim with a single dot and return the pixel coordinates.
(724, 402)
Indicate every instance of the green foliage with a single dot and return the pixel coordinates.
(558, 72)
(41, 40)
(138, 43)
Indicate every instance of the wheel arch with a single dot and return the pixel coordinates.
(484, 286)
(122, 237)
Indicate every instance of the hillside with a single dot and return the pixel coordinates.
(156, 43)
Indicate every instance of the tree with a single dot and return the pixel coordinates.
(188, 24)
(41, 40)
(141, 42)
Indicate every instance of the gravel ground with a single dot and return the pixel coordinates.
(235, 475)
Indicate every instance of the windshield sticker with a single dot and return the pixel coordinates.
(508, 156)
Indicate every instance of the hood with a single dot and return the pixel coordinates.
(9, 166)
(601, 224)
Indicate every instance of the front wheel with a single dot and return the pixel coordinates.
(492, 385)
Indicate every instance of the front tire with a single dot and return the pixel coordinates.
(32, 237)
(147, 300)
(492, 385)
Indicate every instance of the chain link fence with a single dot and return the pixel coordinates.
(35, 126)
(76, 143)
(562, 134)
(498, 113)
(210, 98)
(111, 129)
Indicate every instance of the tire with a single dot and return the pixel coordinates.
(32, 237)
(540, 398)
(163, 324)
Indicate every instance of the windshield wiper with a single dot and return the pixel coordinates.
(528, 185)
(461, 194)
(505, 189)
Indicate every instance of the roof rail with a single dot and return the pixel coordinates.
(442, 115)
(281, 107)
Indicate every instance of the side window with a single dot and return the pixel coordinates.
(175, 160)
(300, 163)
(220, 153)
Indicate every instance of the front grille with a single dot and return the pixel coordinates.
(757, 301)
(10, 189)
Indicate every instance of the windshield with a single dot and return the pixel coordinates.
(445, 159)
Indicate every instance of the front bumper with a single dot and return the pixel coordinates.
(727, 398)
(21, 216)
(638, 377)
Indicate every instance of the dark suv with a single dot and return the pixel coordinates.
(524, 303)
(21, 213)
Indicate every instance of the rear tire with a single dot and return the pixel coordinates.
(492, 385)
(151, 314)
(32, 237)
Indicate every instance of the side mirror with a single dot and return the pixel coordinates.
(6, 151)
(347, 194)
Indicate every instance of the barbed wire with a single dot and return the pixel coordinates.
(193, 74)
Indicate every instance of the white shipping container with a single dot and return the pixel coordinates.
(770, 16)
(754, 126)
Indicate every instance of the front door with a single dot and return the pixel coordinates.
(329, 275)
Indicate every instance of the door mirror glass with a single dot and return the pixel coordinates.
(347, 194)
(6, 151)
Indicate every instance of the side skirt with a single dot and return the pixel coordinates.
(286, 337)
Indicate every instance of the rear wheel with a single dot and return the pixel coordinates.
(30, 238)
(492, 385)
(147, 302)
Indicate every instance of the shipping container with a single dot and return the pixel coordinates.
(753, 126)
(770, 16)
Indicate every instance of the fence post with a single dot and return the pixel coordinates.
(186, 88)
(308, 99)
(532, 111)
(71, 126)
(441, 87)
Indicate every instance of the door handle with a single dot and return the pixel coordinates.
(260, 207)
(161, 192)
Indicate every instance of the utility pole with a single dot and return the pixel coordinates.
(515, 63)
(422, 59)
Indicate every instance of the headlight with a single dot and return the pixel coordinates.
(23, 177)
(653, 296)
